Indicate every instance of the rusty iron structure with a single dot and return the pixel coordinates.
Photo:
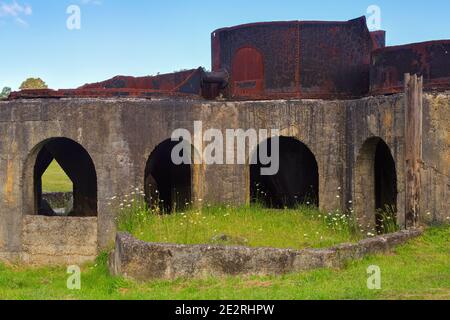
(285, 60)
(428, 59)
(294, 59)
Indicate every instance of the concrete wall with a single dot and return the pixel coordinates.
(435, 175)
(58, 240)
(145, 261)
(120, 134)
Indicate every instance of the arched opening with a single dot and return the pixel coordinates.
(65, 168)
(167, 185)
(247, 72)
(376, 186)
(295, 183)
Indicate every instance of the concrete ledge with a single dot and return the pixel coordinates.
(140, 260)
(10, 257)
(58, 240)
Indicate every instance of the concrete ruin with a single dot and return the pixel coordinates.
(363, 126)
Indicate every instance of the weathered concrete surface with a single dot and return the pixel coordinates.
(120, 134)
(58, 240)
(145, 261)
(435, 175)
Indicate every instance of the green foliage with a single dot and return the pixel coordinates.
(253, 226)
(417, 270)
(5, 93)
(387, 220)
(33, 83)
(55, 179)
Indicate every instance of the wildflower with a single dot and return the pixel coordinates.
(114, 198)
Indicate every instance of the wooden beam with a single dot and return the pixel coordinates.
(413, 147)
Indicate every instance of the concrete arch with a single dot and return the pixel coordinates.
(376, 184)
(169, 186)
(296, 182)
(76, 162)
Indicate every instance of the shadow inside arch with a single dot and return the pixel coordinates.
(297, 180)
(76, 163)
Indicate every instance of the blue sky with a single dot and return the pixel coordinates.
(143, 37)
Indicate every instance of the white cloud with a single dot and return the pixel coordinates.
(16, 11)
(96, 2)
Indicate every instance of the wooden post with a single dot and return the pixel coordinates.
(413, 147)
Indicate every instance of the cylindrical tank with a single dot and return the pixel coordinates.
(295, 59)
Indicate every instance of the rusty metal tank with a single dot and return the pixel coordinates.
(296, 59)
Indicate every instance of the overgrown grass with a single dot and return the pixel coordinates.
(253, 226)
(55, 179)
(417, 270)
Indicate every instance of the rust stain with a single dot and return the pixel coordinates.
(387, 120)
(8, 188)
(198, 173)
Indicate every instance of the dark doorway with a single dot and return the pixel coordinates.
(77, 165)
(296, 183)
(167, 185)
(385, 186)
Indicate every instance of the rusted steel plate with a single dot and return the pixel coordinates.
(378, 39)
(299, 59)
(428, 59)
(247, 72)
(184, 83)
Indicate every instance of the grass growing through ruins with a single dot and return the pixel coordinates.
(417, 270)
(54, 179)
(253, 226)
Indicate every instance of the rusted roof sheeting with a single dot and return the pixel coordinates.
(184, 83)
(430, 59)
(298, 59)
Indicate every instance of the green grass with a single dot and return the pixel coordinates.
(417, 270)
(54, 179)
(252, 226)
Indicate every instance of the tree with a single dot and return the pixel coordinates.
(33, 83)
(5, 93)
